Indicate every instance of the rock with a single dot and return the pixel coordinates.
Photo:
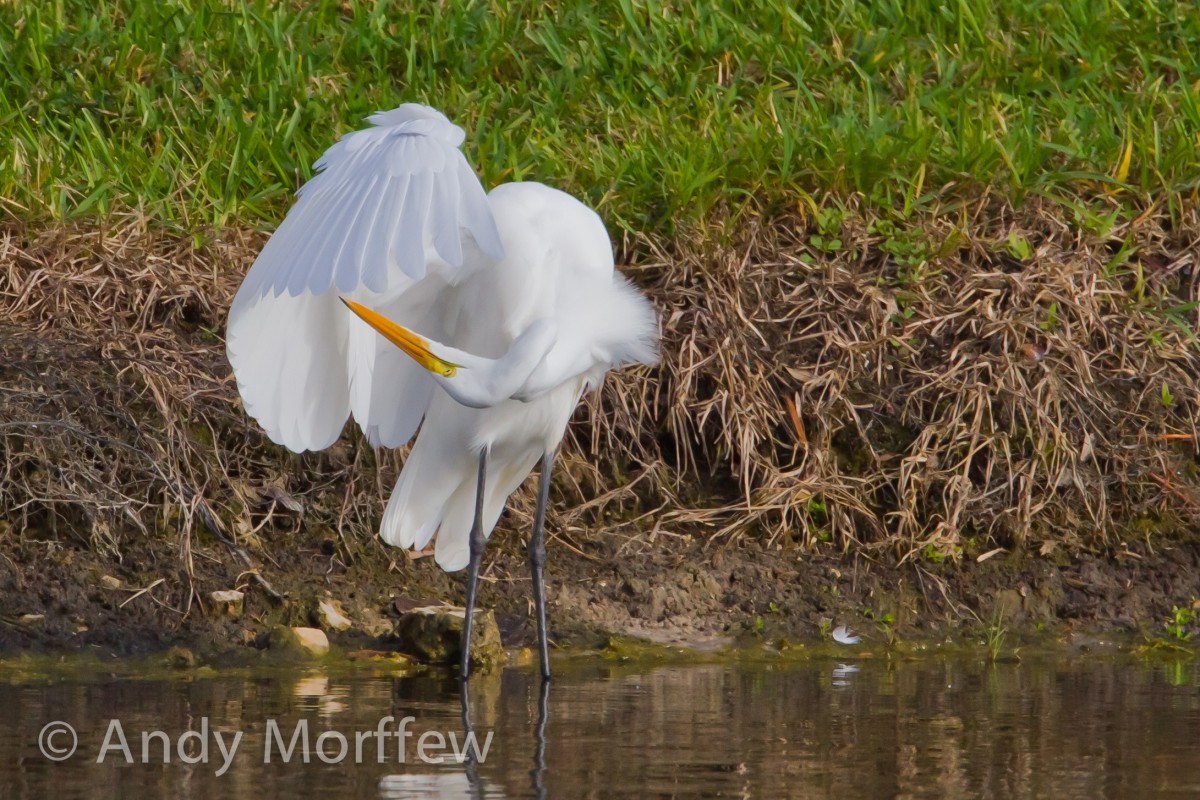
(180, 658)
(434, 634)
(375, 624)
(524, 657)
(109, 582)
(382, 656)
(228, 601)
(313, 640)
(309, 641)
(330, 616)
(31, 619)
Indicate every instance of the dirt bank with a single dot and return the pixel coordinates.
(672, 590)
(994, 420)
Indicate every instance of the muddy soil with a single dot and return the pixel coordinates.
(128, 465)
(674, 589)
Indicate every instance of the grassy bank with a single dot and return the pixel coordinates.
(927, 279)
(819, 445)
(199, 113)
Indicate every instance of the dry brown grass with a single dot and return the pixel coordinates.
(922, 400)
(914, 401)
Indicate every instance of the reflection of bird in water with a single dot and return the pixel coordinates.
(538, 773)
(500, 310)
(434, 786)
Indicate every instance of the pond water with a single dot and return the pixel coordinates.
(1051, 727)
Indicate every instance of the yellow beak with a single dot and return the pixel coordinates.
(412, 344)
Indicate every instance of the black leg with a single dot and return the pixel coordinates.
(478, 541)
(537, 560)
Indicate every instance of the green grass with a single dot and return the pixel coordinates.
(200, 113)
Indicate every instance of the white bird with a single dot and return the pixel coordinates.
(496, 312)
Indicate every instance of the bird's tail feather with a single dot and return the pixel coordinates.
(436, 494)
(453, 548)
(427, 485)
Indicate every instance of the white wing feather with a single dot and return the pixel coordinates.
(384, 221)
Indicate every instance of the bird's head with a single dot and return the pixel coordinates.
(472, 380)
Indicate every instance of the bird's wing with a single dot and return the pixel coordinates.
(379, 195)
(394, 217)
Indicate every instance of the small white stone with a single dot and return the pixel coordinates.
(313, 640)
(331, 617)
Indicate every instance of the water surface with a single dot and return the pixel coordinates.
(933, 728)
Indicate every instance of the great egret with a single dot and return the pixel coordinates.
(507, 307)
